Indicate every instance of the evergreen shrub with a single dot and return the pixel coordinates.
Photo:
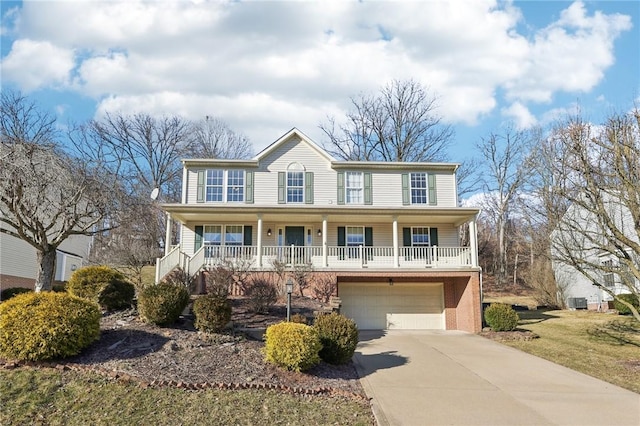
(10, 292)
(162, 304)
(501, 317)
(213, 313)
(629, 298)
(292, 346)
(46, 325)
(103, 285)
(339, 337)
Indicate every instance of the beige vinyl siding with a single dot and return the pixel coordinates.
(17, 258)
(387, 189)
(192, 186)
(446, 190)
(294, 150)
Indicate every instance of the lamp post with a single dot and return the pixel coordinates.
(289, 291)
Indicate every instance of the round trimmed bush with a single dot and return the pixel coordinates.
(8, 293)
(162, 304)
(624, 309)
(501, 317)
(339, 337)
(103, 285)
(212, 313)
(292, 346)
(299, 318)
(40, 326)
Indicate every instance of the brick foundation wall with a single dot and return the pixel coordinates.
(10, 281)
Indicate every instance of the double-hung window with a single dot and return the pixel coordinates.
(235, 185)
(224, 186)
(609, 277)
(215, 185)
(354, 239)
(354, 188)
(419, 188)
(295, 186)
(420, 241)
(212, 236)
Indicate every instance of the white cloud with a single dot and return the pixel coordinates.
(267, 65)
(35, 64)
(520, 115)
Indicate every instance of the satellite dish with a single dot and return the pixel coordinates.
(155, 193)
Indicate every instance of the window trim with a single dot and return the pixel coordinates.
(227, 174)
(360, 188)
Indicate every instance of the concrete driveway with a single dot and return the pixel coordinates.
(456, 378)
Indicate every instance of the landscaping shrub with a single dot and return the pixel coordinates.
(162, 304)
(178, 277)
(339, 337)
(262, 295)
(8, 293)
(212, 313)
(59, 288)
(103, 285)
(292, 346)
(299, 318)
(629, 298)
(218, 280)
(40, 326)
(501, 317)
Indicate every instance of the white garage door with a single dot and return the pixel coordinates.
(409, 306)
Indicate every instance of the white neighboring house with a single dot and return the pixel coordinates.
(588, 248)
(18, 260)
(389, 232)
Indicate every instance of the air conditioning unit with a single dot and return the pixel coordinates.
(577, 303)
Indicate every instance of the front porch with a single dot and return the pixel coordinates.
(317, 258)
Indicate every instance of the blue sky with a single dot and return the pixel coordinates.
(265, 67)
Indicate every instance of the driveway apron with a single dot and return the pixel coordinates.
(457, 378)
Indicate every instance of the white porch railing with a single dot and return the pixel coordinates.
(350, 257)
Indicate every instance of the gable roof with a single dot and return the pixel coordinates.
(284, 138)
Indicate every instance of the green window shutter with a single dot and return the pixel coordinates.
(282, 196)
(342, 236)
(406, 237)
(433, 236)
(368, 236)
(202, 174)
(248, 196)
(368, 195)
(340, 187)
(432, 190)
(198, 240)
(406, 196)
(248, 235)
(342, 241)
(308, 190)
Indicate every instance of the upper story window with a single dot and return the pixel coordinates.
(419, 188)
(218, 185)
(235, 185)
(354, 188)
(295, 186)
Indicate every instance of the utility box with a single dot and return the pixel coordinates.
(577, 302)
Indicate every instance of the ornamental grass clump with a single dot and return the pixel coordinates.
(162, 304)
(41, 326)
(339, 337)
(103, 285)
(213, 313)
(292, 346)
(501, 317)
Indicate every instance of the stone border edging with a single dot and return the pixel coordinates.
(128, 378)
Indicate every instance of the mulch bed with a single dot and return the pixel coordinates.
(181, 356)
(504, 336)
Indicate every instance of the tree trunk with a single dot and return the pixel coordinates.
(46, 269)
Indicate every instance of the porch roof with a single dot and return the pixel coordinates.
(305, 213)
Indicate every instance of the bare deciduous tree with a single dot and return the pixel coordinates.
(504, 178)
(46, 194)
(212, 138)
(398, 124)
(599, 234)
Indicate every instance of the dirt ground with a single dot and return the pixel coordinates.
(181, 354)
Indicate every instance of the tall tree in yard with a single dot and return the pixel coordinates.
(400, 123)
(506, 174)
(47, 194)
(599, 233)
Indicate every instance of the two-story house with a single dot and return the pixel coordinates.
(390, 232)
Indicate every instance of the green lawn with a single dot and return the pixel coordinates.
(47, 396)
(601, 345)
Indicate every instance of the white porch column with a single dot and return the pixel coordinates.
(167, 236)
(473, 242)
(325, 254)
(259, 241)
(396, 250)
